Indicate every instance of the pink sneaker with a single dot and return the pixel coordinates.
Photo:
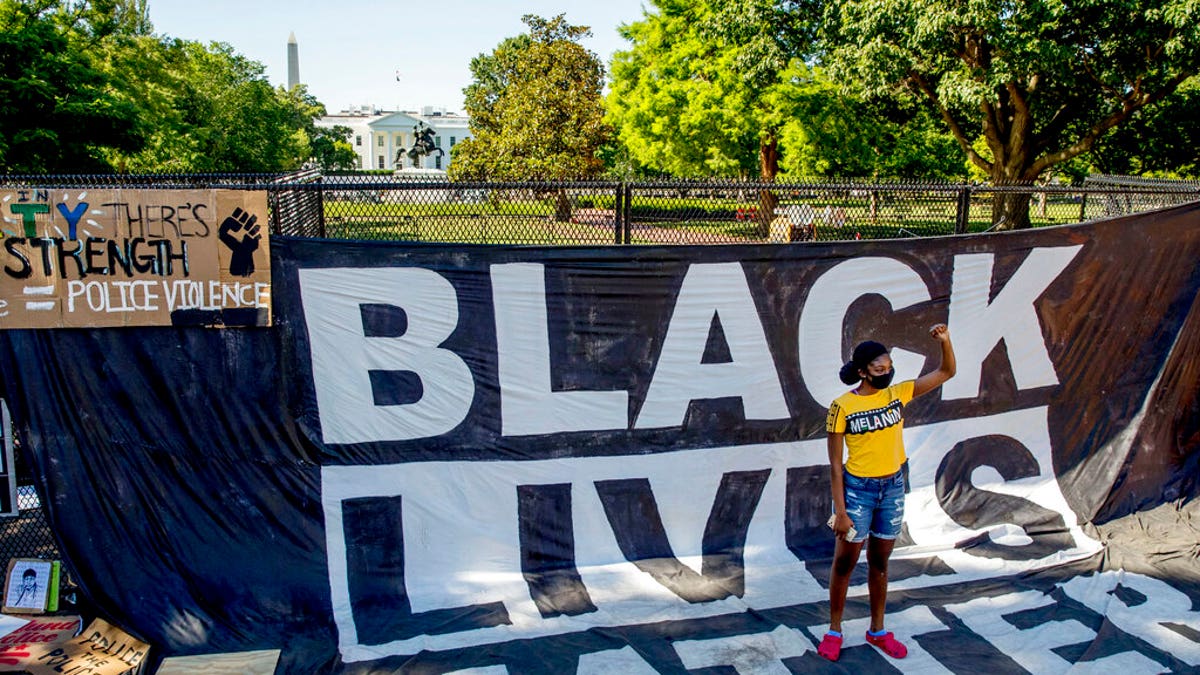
(830, 647)
(889, 644)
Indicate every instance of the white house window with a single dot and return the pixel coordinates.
(380, 144)
(358, 139)
(437, 162)
(437, 141)
(452, 141)
(381, 159)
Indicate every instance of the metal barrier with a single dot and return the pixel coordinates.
(394, 207)
(27, 535)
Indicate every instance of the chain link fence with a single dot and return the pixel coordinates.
(394, 207)
(27, 533)
(385, 207)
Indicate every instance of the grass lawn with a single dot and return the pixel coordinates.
(661, 219)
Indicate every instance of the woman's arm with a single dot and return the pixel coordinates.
(932, 380)
(841, 521)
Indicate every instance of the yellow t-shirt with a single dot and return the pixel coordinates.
(873, 427)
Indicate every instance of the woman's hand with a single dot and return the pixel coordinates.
(842, 525)
(932, 380)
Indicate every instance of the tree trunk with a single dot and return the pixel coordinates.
(1010, 211)
(562, 207)
(768, 166)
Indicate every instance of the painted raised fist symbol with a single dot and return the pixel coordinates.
(241, 264)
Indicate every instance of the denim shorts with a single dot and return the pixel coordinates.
(875, 505)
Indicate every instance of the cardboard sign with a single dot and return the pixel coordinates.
(79, 258)
(15, 645)
(42, 630)
(102, 649)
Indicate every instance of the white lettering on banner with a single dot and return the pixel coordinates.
(459, 522)
(332, 299)
(623, 661)
(343, 355)
(483, 670)
(527, 404)
(713, 291)
(987, 617)
(824, 317)
(979, 323)
(1148, 619)
(1033, 647)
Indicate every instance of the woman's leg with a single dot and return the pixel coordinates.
(845, 557)
(878, 552)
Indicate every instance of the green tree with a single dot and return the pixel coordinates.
(1041, 82)
(720, 88)
(325, 147)
(676, 101)
(1162, 140)
(829, 133)
(86, 86)
(209, 109)
(59, 111)
(685, 100)
(330, 149)
(536, 109)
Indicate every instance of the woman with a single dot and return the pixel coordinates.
(868, 489)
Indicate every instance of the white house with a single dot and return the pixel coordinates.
(383, 138)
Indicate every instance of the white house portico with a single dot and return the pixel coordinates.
(382, 139)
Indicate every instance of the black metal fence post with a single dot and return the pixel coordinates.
(273, 207)
(963, 217)
(321, 206)
(628, 214)
(618, 212)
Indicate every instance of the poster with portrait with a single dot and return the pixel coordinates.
(27, 585)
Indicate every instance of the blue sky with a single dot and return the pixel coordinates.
(352, 50)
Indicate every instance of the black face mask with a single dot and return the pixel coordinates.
(881, 381)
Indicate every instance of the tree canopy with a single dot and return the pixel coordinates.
(536, 107)
(60, 111)
(676, 101)
(1160, 140)
(208, 109)
(722, 88)
(88, 87)
(1041, 82)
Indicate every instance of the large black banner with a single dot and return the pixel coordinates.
(548, 460)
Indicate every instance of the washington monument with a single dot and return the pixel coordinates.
(293, 62)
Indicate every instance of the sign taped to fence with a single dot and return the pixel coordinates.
(102, 258)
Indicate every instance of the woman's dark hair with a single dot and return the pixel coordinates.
(864, 354)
